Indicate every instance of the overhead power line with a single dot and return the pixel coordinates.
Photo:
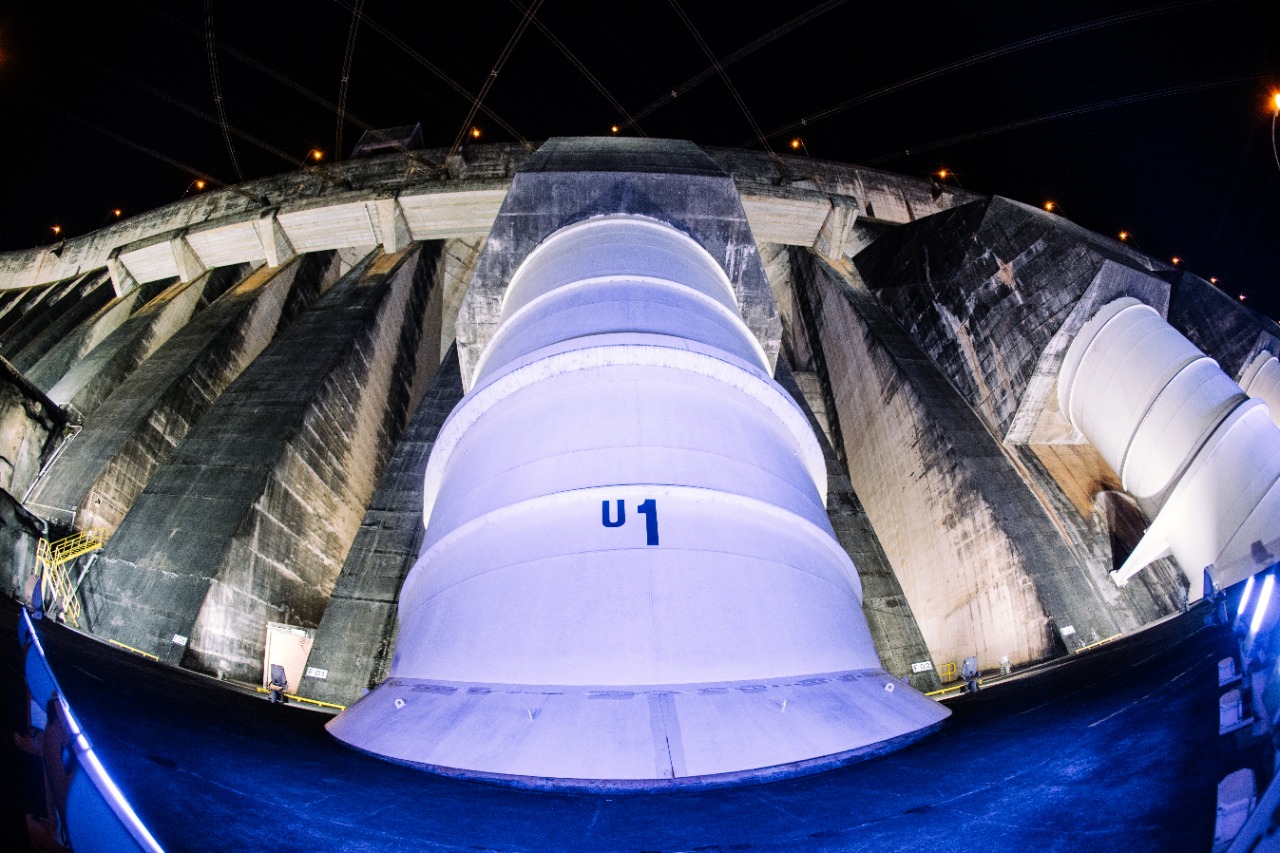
(1124, 101)
(417, 57)
(211, 47)
(741, 53)
(733, 90)
(493, 75)
(985, 56)
(346, 77)
(628, 120)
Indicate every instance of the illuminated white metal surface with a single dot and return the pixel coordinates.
(628, 575)
(1181, 434)
(1261, 380)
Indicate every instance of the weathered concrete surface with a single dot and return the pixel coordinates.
(251, 518)
(893, 626)
(315, 209)
(982, 289)
(34, 336)
(19, 533)
(79, 341)
(30, 426)
(32, 304)
(673, 181)
(389, 199)
(803, 371)
(1225, 328)
(121, 444)
(836, 209)
(92, 379)
(460, 259)
(983, 568)
(994, 293)
(357, 635)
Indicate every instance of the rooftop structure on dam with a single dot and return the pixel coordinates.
(890, 427)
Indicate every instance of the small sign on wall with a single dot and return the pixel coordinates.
(179, 640)
(317, 672)
(922, 666)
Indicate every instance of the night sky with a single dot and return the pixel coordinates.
(1151, 118)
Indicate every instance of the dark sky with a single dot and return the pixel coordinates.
(1153, 118)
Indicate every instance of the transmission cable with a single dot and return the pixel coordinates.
(1123, 101)
(346, 77)
(628, 119)
(740, 53)
(725, 77)
(994, 53)
(211, 47)
(493, 75)
(417, 57)
(203, 116)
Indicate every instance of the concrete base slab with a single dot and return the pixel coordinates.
(638, 738)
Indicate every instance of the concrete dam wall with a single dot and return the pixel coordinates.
(245, 398)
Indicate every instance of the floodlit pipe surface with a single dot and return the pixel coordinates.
(1181, 434)
(1261, 380)
(628, 577)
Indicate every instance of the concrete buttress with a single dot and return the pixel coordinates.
(98, 477)
(964, 535)
(251, 518)
(357, 634)
(95, 376)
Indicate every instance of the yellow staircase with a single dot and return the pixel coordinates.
(51, 557)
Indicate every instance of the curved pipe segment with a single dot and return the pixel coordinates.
(1261, 380)
(628, 577)
(1182, 436)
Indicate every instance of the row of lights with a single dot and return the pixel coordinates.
(1124, 236)
(315, 155)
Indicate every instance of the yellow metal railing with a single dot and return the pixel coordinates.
(305, 699)
(50, 559)
(132, 649)
(947, 672)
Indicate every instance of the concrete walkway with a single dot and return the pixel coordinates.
(1118, 751)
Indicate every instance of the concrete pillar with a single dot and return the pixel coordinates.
(39, 329)
(275, 243)
(78, 342)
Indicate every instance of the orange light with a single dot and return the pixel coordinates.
(1050, 206)
(1242, 297)
(475, 133)
(796, 143)
(1176, 261)
(117, 212)
(942, 173)
(57, 229)
(316, 154)
(1213, 280)
(1275, 99)
(614, 128)
(1124, 235)
(199, 185)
